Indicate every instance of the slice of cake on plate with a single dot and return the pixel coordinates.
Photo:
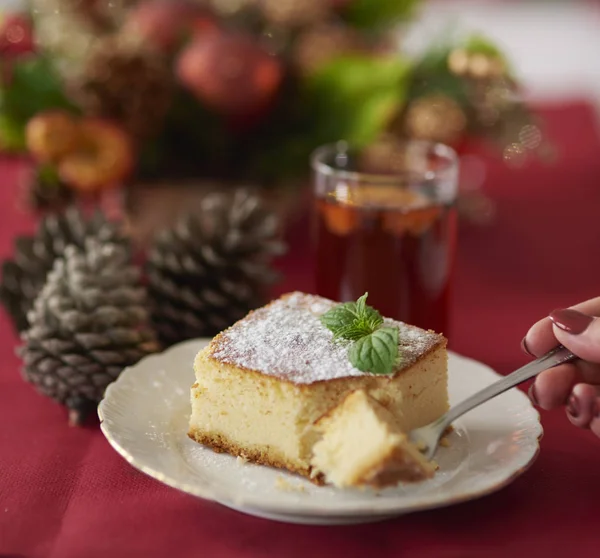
(362, 444)
(263, 384)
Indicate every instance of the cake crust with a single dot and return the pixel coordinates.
(261, 456)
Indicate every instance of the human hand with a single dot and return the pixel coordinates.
(575, 385)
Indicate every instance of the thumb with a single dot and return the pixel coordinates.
(578, 332)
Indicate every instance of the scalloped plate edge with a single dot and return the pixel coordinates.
(309, 515)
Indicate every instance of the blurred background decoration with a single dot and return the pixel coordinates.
(193, 122)
(134, 97)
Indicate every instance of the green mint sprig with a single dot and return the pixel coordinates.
(352, 320)
(374, 348)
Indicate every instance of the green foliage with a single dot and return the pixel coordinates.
(355, 98)
(432, 75)
(34, 87)
(12, 134)
(48, 175)
(482, 45)
(350, 98)
(369, 14)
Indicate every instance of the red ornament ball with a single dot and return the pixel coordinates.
(16, 36)
(230, 73)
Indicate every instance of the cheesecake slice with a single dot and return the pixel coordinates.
(362, 444)
(262, 385)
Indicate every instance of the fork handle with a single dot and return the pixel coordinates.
(556, 356)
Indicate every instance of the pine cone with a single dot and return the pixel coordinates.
(89, 322)
(126, 82)
(211, 268)
(24, 275)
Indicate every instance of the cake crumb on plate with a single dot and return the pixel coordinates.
(285, 485)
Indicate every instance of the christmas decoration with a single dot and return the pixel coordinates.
(230, 73)
(33, 88)
(89, 322)
(467, 90)
(293, 13)
(15, 36)
(24, 275)
(211, 268)
(126, 82)
(167, 23)
(51, 135)
(319, 44)
(478, 65)
(89, 154)
(435, 118)
(242, 91)
(102, 158)
(66, 30)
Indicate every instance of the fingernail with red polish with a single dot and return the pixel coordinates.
(573, 406)
(533, 395)
(525, 348)
(570, 320)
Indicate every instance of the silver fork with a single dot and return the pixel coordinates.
(427, 437)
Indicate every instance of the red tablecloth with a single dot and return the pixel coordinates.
(64, 493)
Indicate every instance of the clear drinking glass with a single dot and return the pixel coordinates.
(386, 225)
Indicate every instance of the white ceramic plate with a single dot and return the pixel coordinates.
(144, 416)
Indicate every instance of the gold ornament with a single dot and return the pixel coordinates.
(458, 61)
(476, 65)
(492, 99)
(515, 155)
(435, 118)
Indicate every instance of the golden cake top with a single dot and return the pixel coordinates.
(286, 339)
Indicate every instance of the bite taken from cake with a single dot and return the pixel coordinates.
(298, 383)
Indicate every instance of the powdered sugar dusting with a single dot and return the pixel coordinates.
(286, 339)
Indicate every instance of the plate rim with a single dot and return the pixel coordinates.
(248, 505)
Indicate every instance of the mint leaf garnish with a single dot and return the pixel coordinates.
(361, 304)
(377, 352)
(340, 319)
(374, 348)
(352, 320)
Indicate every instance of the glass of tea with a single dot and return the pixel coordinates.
(386, 225)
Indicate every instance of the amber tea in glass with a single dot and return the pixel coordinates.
(387, 226)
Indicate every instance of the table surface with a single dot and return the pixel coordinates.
(65, 493)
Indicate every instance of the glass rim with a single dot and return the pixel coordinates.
(318, 165)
